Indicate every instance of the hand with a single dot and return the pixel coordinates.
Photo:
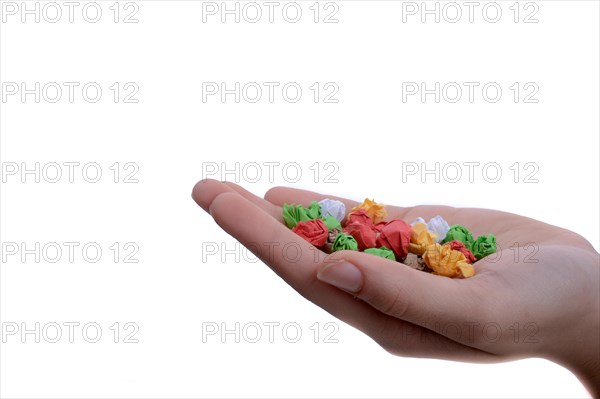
(543, 305)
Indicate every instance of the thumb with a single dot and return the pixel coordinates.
(397, 290)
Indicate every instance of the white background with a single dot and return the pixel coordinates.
(173, 137)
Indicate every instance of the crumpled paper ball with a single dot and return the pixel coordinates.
(445, 261)
(460, 233)
(420, 238)
(438, 226)
(375, 211)
(394, 235)
(484, 246)
(313, 231)
(459, 246)
(292, 213)
(344, 242)
(382, 252)
(331, 207)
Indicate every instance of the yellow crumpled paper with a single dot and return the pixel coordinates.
(420, 238)
(445, 261)
(375, 211)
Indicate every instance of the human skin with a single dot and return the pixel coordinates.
(545, 305)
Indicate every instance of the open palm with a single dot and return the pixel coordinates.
(537, 296)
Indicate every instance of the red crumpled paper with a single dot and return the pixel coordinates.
(459, 246)
(313, 231)
(364, 234)
(394, 235)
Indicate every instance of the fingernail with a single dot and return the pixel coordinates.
(343, 275)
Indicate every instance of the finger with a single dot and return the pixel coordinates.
(290, 255)
(268, 239)
(281, 195)
(206, 190)
(424, 299)
(263, 204)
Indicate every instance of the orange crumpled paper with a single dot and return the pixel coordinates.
(445, 261)
(420, 238)
(375, 211)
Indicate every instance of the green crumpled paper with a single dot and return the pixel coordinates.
(484, 246)
(314, 210)
(292, 214)
(331, 222)
(344, 241)
(382, 252)
(460, 233)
